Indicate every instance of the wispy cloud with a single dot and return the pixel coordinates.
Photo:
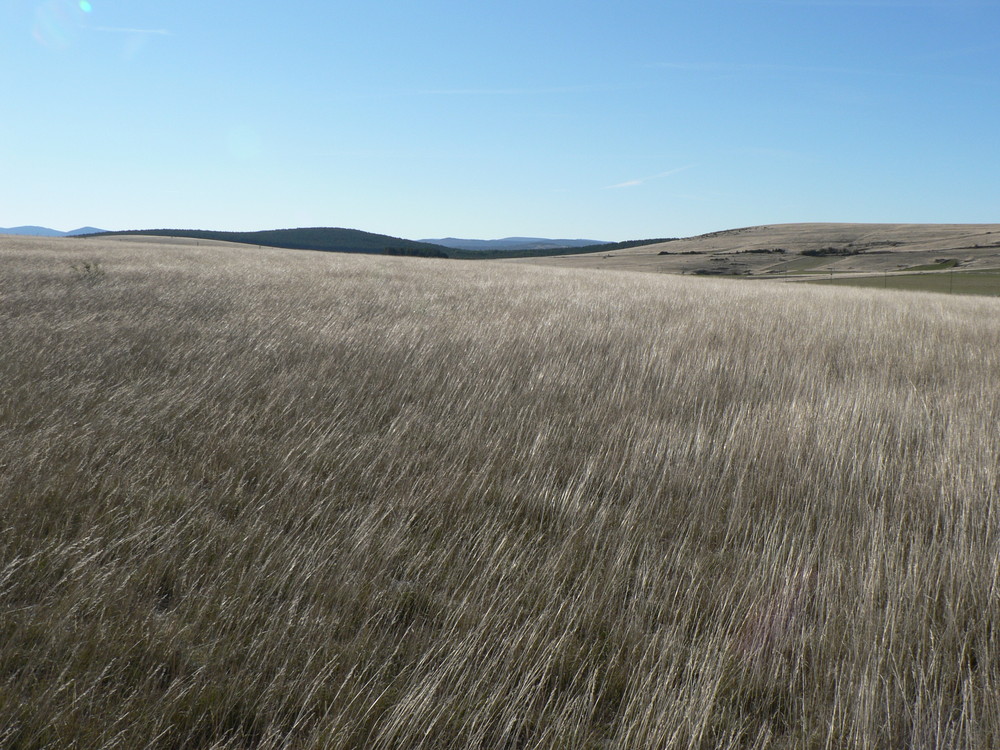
(118, 30)
(643, 180)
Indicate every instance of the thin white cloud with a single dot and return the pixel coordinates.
(643, 180)
(629, 183)
(117, 30)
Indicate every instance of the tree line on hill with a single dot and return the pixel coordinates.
(326, 239)
(543, 252)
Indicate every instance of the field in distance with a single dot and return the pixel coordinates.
(807, 251)
(281, 499)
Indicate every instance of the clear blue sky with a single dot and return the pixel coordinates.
(487, 118)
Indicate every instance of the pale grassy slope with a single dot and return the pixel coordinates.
(283, 499)
(133, 239)
(882, 247)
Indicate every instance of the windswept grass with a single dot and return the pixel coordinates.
(267, 499)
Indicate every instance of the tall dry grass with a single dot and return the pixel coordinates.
(255, 499)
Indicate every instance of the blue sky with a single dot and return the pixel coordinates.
(481, 118)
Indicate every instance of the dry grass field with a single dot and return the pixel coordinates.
(275, 499)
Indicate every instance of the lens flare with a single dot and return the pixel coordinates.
(54, 25)
(58, 23)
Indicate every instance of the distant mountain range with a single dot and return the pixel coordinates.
(512, 243)
(339, 240)
(351, 237)
(46, 232)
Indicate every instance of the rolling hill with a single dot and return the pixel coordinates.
(773, 251)
(335, 239)
(325, 239)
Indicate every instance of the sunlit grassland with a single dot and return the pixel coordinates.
(984, 282)
(263, 499)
